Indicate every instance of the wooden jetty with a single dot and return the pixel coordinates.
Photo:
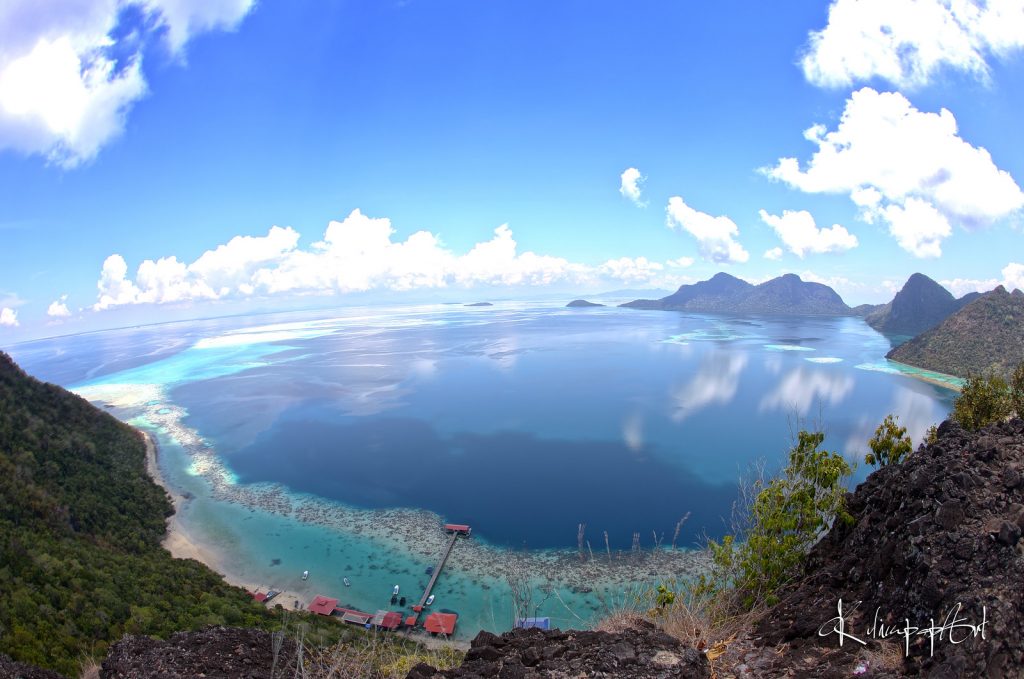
(456, 530)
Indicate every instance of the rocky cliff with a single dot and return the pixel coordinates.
(934, 539)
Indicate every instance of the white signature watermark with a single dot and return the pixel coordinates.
(954, 628)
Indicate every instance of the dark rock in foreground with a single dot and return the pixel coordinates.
(214, 652)
(10, 669)
(941, 530)
(582, 303)
(646, 653)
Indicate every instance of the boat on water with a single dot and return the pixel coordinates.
(305, 575)
(430, 600)
(347, 582)
(401, 602)
(395, 590)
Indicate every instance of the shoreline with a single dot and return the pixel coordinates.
(565, 569)
(938, 381)
(182, 545)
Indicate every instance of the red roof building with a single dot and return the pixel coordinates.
(322, 605)
(387, 620)
(441, 623)
(458, 528)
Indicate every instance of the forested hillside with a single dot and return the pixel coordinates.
(80, 531)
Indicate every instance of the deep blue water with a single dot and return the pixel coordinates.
(523, 421)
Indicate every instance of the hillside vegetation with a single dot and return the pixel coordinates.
(985, 336)
(80, 531)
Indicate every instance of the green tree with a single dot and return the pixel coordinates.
(789, 514)
(890, 444)
(1017, 390)
(984, 400)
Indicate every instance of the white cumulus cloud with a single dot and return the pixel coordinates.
(897, 163)
(802, 236)
(773, 253)
(9, 317)
(63, 93)
(1013, 279)
(908, 41)
(716, 236)
(631, 179)
(59, 308)
(356, 254)
(917, 226)
(631, 270)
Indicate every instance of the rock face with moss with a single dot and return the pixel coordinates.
(723, 293)
(940, 530)
(921, 304)
(986, 335)
(213, 652)
(644, 653)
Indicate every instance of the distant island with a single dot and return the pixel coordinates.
(920, 305)
(578, 303)
(985, 335)
(480, 304)
(724, 293)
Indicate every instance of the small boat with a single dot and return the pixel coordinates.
(395, 590)
(430, 600)
(305, 575)
(271, 594)
(346, 581)
(401, 602)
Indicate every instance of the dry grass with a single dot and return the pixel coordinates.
(706, 622)
(375, 657)
(90, 669)
(883, 655)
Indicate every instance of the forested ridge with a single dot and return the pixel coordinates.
(80, 530)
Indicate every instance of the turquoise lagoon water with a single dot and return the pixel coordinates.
(338, 442)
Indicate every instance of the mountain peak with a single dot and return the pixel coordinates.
(920, 304)
(724, 293)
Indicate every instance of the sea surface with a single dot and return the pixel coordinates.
(339, 441)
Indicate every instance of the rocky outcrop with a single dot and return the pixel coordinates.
(644, 653)
(582, 303)
(10, 669)
(935, 538)
(214, 652)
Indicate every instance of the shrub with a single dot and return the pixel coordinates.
(890, 444)
(984, 400)
(1017, 390)
(788, 515)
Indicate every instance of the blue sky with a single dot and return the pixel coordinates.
(499, 133)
